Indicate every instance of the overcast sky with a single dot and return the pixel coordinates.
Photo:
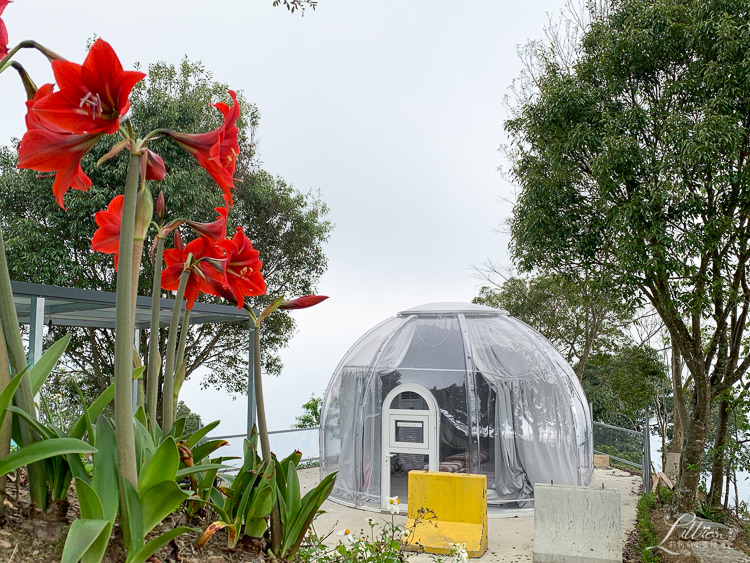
(392, 109)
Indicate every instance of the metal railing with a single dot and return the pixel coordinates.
(283, 442)
(629, 447)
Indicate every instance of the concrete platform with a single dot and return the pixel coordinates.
(510, 538)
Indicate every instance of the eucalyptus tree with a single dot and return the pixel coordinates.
(632, 160)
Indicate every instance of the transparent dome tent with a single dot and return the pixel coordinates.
(454, 387)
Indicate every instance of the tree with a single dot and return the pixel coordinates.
(632, 163)
(622, 386)
(286, 226)
(310, 417)
(577, 322)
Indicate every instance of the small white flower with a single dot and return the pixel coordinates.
(371, 522)
(347, 533)
(397, 535)
(394, 505)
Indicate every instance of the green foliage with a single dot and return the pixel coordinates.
(664, 494)
(634, 167)
(356, 546)
(249, 498)
(310, 417)
(158, 495)
(576, 321)
(297, 513)
(709, 512)
(621, 386)
(286, 226)
(192, 420)
(645, 528)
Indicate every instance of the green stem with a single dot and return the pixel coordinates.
(168, 391)
(181, 358)
(5, 428)
(51, 55)
(265, 445)
(124, 329)
(154, 361)
(24, 396)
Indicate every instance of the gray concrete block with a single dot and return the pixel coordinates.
(576, 525)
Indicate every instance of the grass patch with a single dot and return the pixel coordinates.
(645, 528)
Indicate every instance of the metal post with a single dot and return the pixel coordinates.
(36, 329)
(646, 456)
(251, 405)
(36, 336)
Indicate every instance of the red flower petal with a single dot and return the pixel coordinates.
(93, 96)
(216, 230)
(303, 302)
(3, 30)
(155, 168)
(217, 150)
(106, 239)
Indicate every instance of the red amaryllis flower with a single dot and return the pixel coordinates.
(243, 270)
(303, 302)
(206, 266)
(92, 96)
(217, 150)
(49, 149)
(216, 230)
(155, 168)
(106, 239)
(3, 31)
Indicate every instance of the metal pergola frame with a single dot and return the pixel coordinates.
(38, 304)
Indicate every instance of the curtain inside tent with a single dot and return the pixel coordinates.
(535, 435)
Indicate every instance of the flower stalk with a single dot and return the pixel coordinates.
(154, 358)
(179, 377)
(124, 329)
(24, 395)
(168, 389)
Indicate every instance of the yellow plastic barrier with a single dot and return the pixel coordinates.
(459, 503)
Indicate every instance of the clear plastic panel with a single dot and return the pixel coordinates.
(531, 425)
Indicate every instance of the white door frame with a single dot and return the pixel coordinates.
(389, 446)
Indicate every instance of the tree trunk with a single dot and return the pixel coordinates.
(717, 470)
(680, 412)
(694, 436)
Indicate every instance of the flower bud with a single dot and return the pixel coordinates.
(160, 206)
(144, 210)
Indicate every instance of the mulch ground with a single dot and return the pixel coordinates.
(27, 536)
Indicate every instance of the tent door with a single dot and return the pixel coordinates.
(410, 439)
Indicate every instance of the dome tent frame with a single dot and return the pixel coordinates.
(509, 406)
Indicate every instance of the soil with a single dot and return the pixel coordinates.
(631, 550)
(28, 536)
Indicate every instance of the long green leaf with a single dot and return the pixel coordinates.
(197, 436)
(162, 466)
(311, 502)
(82, 535)
(94, 411)
(156, 544)
(160, 501)
(185, 471)
(43, 450)
(88, 501)
(41, 369)
(46, 432)
(86, 417)
(10, 390)
(96, 552)
(105, 480)
(136, 530)
(204, 450)
(293, 499)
